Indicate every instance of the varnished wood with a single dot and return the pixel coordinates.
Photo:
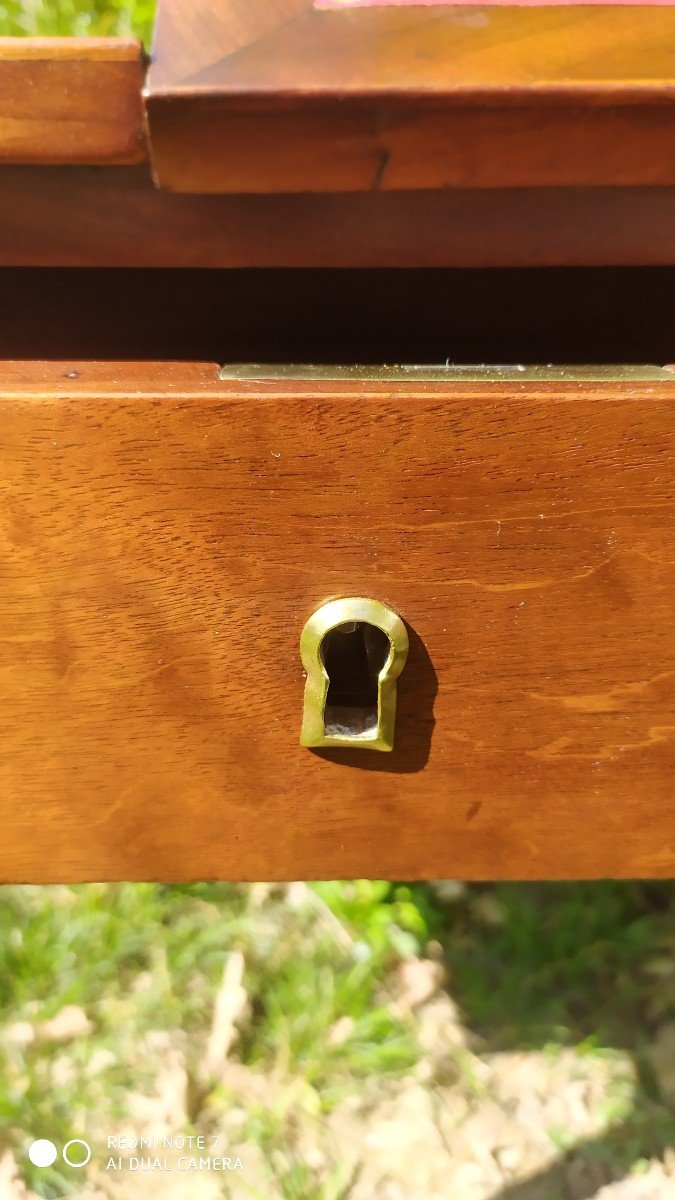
(71, 100)
(270, 97)
(164, 538)
(62, 216)
(211, 145)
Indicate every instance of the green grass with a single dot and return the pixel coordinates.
(142, 958)
(77, 18)
(564, 962)
(588, 965)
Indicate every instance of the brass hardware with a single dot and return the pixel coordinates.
(365, 646)
(450, 373)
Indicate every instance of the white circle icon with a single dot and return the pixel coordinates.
(42, 1153)
(77, 1142)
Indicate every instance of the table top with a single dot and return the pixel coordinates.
(278, 134)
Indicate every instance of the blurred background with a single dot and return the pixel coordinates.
(77, 18)
(346, 1041)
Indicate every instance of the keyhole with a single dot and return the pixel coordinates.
(353, 654)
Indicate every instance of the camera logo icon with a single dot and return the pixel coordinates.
(43, 1153)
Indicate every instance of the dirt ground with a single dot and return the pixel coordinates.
(464, 1124)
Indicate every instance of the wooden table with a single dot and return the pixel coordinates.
(169, 527)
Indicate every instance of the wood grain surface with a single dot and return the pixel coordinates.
(65, 216)
(281, 97)
(164, 538)
(71, 100)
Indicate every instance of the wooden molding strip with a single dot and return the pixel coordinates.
(64, 216)
(71, 100)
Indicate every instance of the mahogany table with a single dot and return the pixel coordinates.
(290, 183)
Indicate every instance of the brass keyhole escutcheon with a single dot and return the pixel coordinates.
(353, 651)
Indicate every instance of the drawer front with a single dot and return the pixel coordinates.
(165, 536)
